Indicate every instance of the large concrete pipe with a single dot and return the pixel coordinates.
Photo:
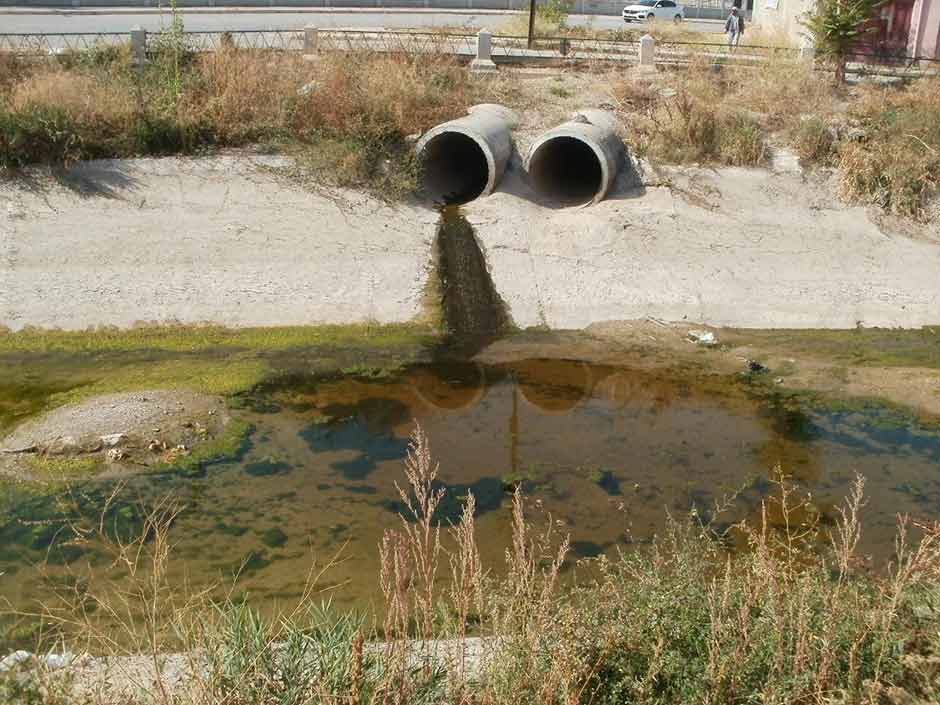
(577, 161)
(465, 158)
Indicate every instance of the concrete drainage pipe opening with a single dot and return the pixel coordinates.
(567, 170)
(465, 158)
(454, 168)
(578, 161)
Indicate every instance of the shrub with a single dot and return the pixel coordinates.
(837, 26)
(554, 12)
(38, 134)
(343, 111)
(813, 141)
(896, 165)
(741, 141)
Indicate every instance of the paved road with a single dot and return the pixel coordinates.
(105, 20)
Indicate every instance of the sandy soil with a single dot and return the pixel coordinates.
(123, 432)
(228, 240)
(654, 344)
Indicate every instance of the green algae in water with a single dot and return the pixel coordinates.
(681, 443)
(273, 537)
(231, 445)
(606, 480)
(266, 467)
(231, 529)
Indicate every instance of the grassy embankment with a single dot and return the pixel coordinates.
(345, 116)
(796, 617)
(883, 141)
(348, 123)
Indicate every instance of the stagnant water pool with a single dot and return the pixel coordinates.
(607, 451)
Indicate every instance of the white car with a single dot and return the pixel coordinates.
(645, 10)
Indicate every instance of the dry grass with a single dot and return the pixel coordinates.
(781, 91)
(698, 114)
(884, 141)
(895, 162)
(813, 141)
(696, 118)
(345, 112)
(242, 96)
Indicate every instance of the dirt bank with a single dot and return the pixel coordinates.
(231, 240)
(807, 365)
(113, 434)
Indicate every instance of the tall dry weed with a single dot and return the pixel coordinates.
(698, 119)
(895, 162)
(83, 98)
(244, 95)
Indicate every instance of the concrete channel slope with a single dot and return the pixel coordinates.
(241, 241)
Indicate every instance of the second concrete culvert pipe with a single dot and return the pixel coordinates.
(465, 158)
(578, 161)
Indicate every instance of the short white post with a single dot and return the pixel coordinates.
(139, 45)
(311, 39)
(647, 54)
(807, 51)
(483, 63)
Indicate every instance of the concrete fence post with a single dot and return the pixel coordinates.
(647, 53)
(807, 51)
(483, 63)
(139, 45)
(311, 39)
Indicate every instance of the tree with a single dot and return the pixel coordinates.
(836, 26)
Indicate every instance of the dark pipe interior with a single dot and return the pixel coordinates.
(453, 168)
(566, 170)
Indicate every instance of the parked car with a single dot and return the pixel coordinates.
(646, 10)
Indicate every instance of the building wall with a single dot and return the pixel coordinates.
(781, 16)
(924, 37)
(904, 27)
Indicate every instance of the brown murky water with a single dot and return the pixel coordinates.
(607, 451)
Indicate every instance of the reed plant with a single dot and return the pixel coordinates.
(793, 614)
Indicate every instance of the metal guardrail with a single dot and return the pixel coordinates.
(505, 49)
(398, 42)
(51, 43)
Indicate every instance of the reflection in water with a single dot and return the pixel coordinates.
(607, 451)
(553, 386)
(449, 385)
(371, 443)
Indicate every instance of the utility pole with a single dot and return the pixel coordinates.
(531, 22)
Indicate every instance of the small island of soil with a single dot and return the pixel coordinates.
(113, 435)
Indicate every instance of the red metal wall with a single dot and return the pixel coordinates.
(890, 31)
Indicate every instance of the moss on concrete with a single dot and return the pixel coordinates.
(42, 369)
(223, 376)
(192, 339)
(883, 347)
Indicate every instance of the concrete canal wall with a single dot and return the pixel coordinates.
(238, 240)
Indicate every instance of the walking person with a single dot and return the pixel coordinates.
(734, 28)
